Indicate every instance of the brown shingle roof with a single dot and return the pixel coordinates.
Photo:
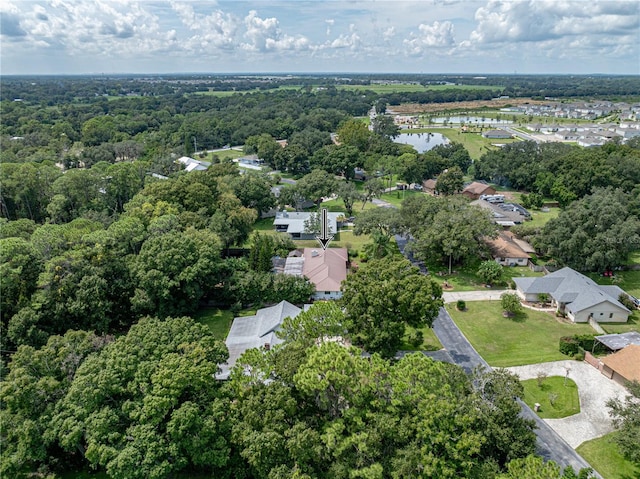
(503, 247)
(477, 188)
(625, 362)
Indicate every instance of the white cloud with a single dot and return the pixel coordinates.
(188, 35)
(430, 37)
(264, 34)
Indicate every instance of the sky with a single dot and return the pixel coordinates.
(296, 36)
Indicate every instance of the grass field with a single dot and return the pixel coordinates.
(410, 87)
(566, 402)
(219, 320)
(540, 218)
(529, 338)
(475, 143)
(466, 278)
(602, 453)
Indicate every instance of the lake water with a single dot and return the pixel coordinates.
(421, 141)
(471, 120)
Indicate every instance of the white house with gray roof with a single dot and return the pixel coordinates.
(576, 295)
(256, 331)
(294, 223)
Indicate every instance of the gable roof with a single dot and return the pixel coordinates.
(255, 331)
(568, 286)
(504, 246)
(625, 362)
(326, 269)
(477, 188)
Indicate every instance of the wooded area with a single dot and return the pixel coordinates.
(107, 247)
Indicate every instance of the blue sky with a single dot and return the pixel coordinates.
(424, 36)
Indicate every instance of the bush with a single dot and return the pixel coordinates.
(569, 345)
(461, 305)
(626, 301)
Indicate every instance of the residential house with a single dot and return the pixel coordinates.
(326, 269)
(257, 331)
(429, 186)
(297, 224)
(496, 134)
(476, 188)
(623, 365)
(508, 250)
(576, 295)
(191, 164)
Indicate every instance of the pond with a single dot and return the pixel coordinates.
(471, 120)
(422, 141)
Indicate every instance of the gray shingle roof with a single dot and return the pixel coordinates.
(254, 332)
(569, 286)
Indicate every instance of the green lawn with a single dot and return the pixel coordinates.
(540, 218)
(529, 338)
(475, 143)
(627, 280)
(465, 278)
(219, 320)
(633, 324)
(602, 453)
(566, 402)
(429, 343)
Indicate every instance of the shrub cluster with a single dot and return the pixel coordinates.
(577, 344)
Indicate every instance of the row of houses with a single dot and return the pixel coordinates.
(579, 110)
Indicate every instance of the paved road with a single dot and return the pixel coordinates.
(550, 445)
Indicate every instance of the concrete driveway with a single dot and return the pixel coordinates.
(594, 391)
(483, 295)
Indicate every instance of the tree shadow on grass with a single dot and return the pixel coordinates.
(519, 317)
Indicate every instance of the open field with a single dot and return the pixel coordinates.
(410, 87)
(416, 108)
(566, 402)
(529, 338)
(602, 453)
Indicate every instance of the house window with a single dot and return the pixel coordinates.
(601, 314)
(327, 293)
(610, 315)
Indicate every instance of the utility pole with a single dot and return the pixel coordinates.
(195, 145)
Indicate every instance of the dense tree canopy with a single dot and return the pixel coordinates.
(596, 233)
(561, 171)
(383, 297)
(147, 405)
(448, 228)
